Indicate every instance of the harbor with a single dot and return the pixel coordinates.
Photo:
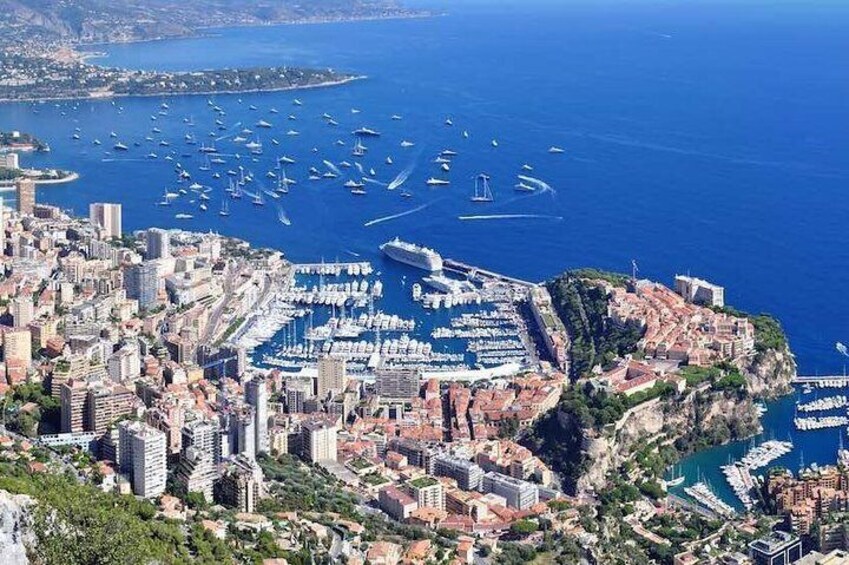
(334, 309)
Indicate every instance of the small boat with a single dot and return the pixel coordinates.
(156, 130)
(354, 111)
(120, 147)
(522, 187)
(366, 132)
(293, 132)
(527, 167)
(285, 159)
(263, 124)
(292, 118)
(330, 175)
(406, 194)
(283, 218)
(251, 107)
(396, 117)
(164, 143)
(389, 160)
(297, 102)
(183, 216)
(446, 167)
(96, 142)
(203, 207)
(465, 134)
(437, 182)
(372, 172)
(358, 192)
(494, 143)
(75, 137)
(274, 142)
(273, 111)
(353, 184)
(406, 143)
(555, 150)
(448, 153)
(152, 155)
(448, 122)
(112, 134)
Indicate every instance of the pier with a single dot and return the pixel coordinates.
(352, 268)
(826, 381)
(476, 273)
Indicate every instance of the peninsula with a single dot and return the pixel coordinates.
(39, 42)
(39, 76)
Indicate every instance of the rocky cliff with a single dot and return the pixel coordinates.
(14, 536)
(700, 418)
(770, 372)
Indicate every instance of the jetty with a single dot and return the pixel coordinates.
(481, 275)
(822, 381)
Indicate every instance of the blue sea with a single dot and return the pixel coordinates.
(701, 137)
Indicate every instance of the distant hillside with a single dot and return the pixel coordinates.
(132, 20)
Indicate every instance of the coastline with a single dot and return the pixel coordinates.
(70, 178)
(113, 96)
(202, 31)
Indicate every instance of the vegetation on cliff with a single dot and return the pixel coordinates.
(586, 412)
(104, 528)
(769, 335)
(583, 307)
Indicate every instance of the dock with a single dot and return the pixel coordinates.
(476, 273)
(828, 381)
(351, 268)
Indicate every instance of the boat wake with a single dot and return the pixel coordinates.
(402, 177)
(395, 216)
(511, 217)
(282, 217)
(540, 184)
(332, 167)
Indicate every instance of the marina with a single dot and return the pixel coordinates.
(819, 422)
(331, 308)
(702, 493)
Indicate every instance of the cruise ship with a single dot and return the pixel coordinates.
(411, 254)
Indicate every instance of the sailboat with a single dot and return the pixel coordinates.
(677, 478)
(359, 149)
(258, 200)
(482, 191)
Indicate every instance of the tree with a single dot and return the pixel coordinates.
(523, 527)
